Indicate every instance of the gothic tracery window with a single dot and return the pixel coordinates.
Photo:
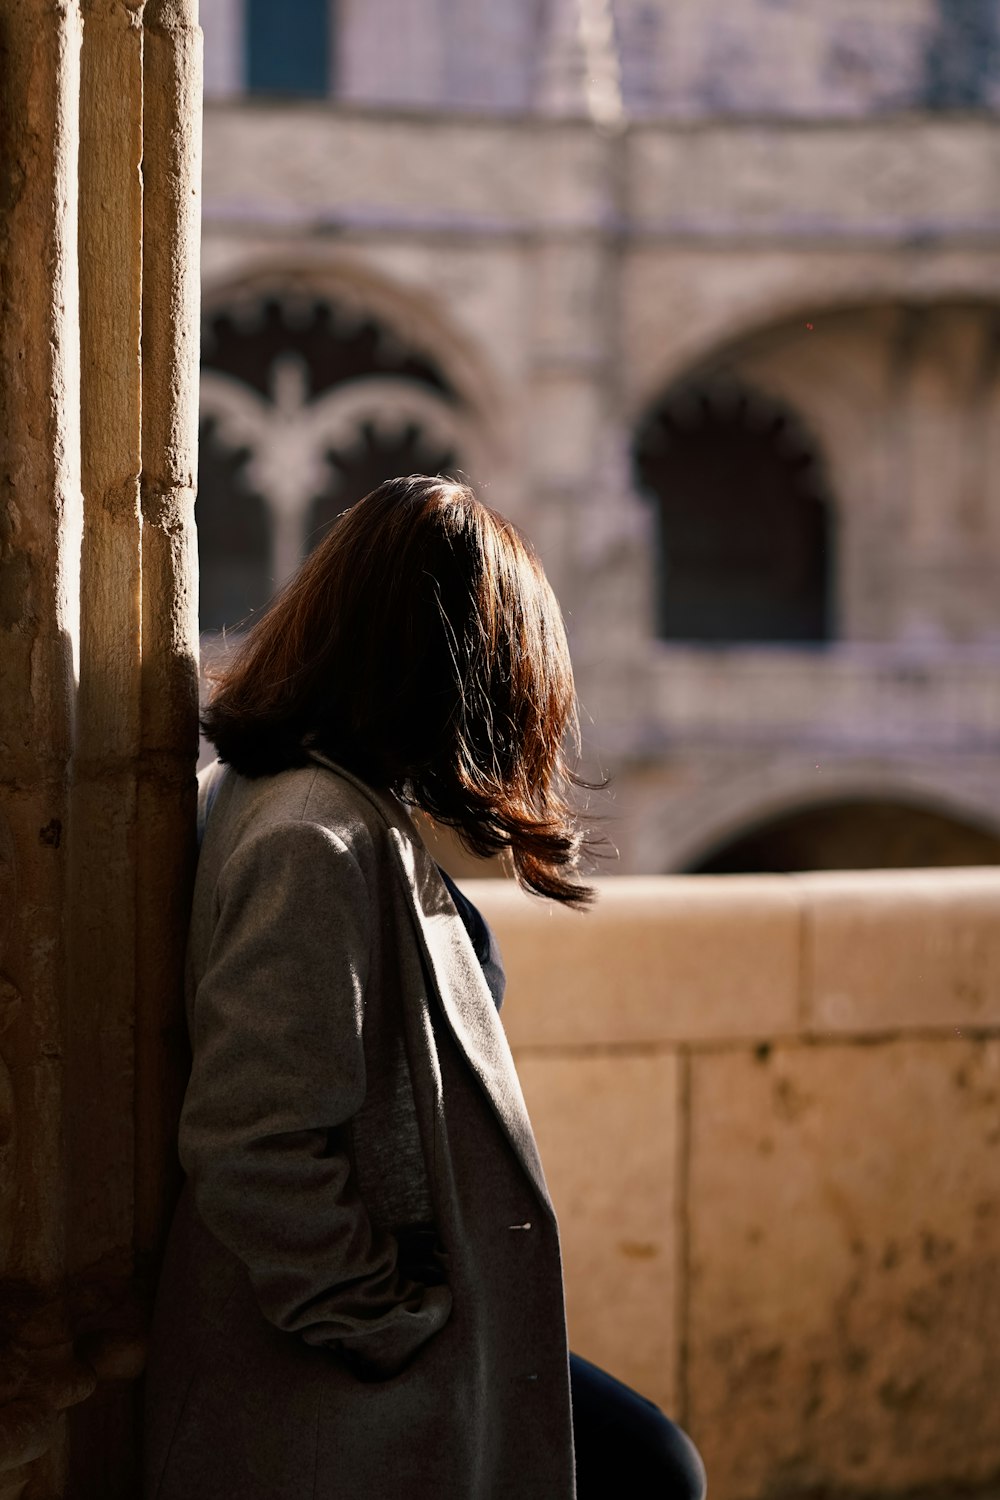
(743, 521)
(306, 406)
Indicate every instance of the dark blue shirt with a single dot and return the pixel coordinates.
(483, 942)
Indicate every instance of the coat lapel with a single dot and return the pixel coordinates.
(460, 987)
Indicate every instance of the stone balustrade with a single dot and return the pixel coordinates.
(768, 1112)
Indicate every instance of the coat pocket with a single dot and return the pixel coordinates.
(422, 1257)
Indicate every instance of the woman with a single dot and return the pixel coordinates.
(362, 1295)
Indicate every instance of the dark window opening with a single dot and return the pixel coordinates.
(288, 47)
(234, 536)
(335, 344)
(290, 352)
(373, 458)
(962, 56)
(743, 522)
(853, 835)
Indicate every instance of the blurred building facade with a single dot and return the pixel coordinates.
(705, 294)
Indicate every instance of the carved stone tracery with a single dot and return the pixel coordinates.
(306, 406)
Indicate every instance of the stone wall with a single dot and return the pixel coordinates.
(767, 1109)
(810, 59)
(565, 280)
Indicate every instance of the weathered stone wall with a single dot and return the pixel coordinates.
(565, 280)
(692, 59)
(98, 352)
(477, 56)
(808, 60)
(767, 1110)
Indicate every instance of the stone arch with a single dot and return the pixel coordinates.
(315, 389)
(903, 399)
(412, 312)
(770, 296)
(724, 812)
(858, 834)
(369, 418)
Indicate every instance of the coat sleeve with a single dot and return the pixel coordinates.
(278, 1072)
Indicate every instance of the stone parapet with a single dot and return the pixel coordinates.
(767, 1108)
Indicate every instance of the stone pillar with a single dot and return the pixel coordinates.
(171, 304)
(98, 353)
(594, 534)
(40, 525)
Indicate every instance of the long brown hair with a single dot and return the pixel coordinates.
(421, 646)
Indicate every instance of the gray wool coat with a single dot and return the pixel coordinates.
(296, 1354)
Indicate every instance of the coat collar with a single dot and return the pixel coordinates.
(460, 987)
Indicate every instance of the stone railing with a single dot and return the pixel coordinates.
(769, 1111)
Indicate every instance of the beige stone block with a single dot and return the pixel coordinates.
(908, 948)
(568, 301)
(564, 417)
(656, 959)
(843, 1327)
(607, 1131)
(300, 167)
(758, 178)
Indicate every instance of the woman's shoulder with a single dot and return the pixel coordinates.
(271, 807)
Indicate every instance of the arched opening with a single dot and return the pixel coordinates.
(235, 565)
(307, 405)
(860, 834)
(336, 343)
(373, 457)
(745, 539)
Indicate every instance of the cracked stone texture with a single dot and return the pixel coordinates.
(844, 1315)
